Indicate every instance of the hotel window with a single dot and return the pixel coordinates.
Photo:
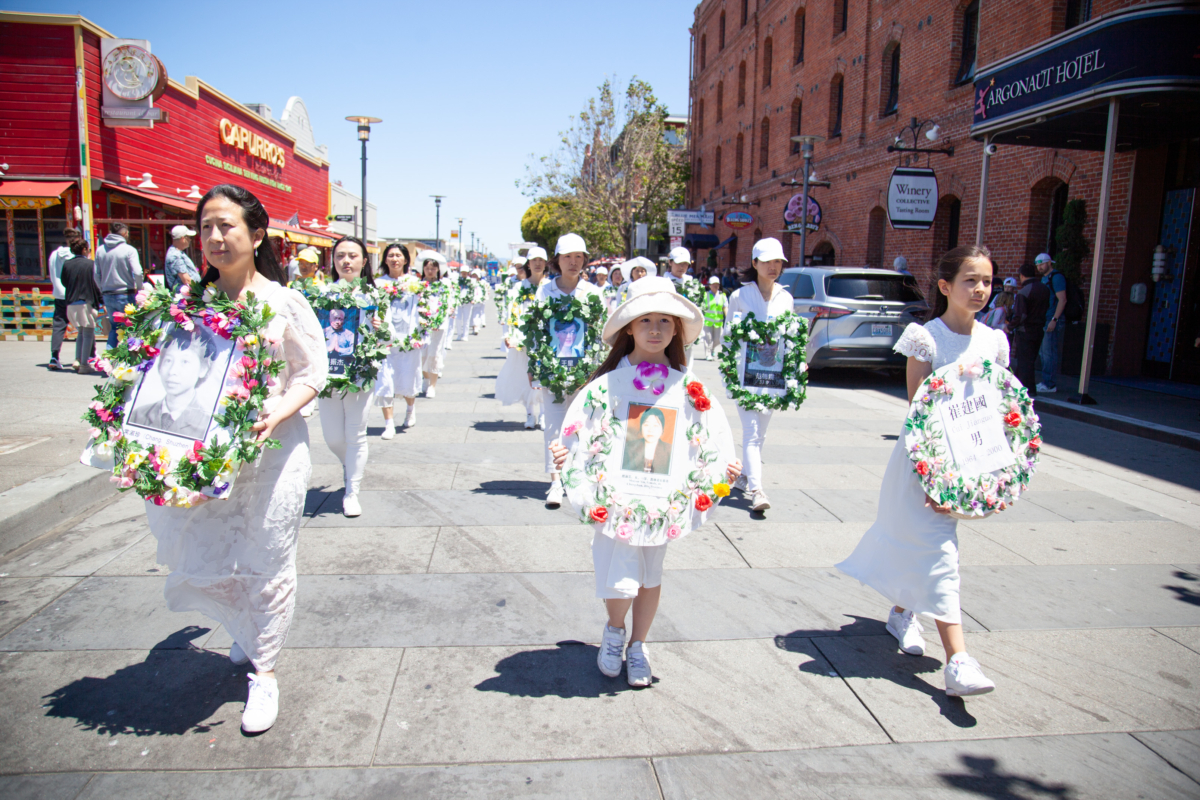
(970, 40)
(717, 169)
(721, 33)
(798, 37)
(768, 55)
(720, 100)
(797, 114)
(1078, 12)
(841, 10)
(764, 143)
(741, 84)
(738, 155)
(703, 51)
(891, 79)
(836, 87)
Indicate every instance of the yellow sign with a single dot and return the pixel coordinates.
(246, 173)
(234, 135)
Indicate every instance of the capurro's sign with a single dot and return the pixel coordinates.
(236, 136)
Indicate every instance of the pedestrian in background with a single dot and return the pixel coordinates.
(118, 273)
(178, 270)
(61, 255)
(1051, 351)
(997, 317)
(714, 316)
(1028, 312)
(83, 301)
(901, 265)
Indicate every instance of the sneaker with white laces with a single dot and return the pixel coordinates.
(965, 678)
(530, 422)
(907, 630)
(637, 665)
(612, 646)
(262, 706)
(237, 655)
(410, 416)
(759, 501)
(554, 497)
(431, 392)
(1044, 389)
(389, 430)
(350, 506)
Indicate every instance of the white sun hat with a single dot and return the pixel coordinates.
(654, 295)
(680, 255)
(569, 243)
(626, 267)
(433, 255)
(537, 252)
(768, 250)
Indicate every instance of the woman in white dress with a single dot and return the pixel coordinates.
(513, 384)
(235, 560)
(400, 372)
(910, 554)
(434, 270)
(764, 297)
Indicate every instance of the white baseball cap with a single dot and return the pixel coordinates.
(1010, 282)
(538, 252)
(714, 279)
(1043, 258)
(601, 270)
(518, 261)
(569, 243)
(180, 231)
(768, 250)
(680, 255)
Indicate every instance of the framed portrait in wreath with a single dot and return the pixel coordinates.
(340, 326)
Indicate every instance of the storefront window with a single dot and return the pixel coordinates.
(3, 244)
(54, 222)
(25, 230)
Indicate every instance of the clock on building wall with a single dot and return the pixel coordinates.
(130, 72)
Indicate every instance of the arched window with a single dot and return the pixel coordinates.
(798, 37)
(764, 143)
(699, 175)
(797, 115)
(841, 10)
(890, 96)
(717, 169)
(721, 33)
(876, 229)
(1047, 201)
(823, 256)
(968, 40)
(768, 54)
(745, 12)
(700, 117)
(738, 154)
(836, 87)
(757, 234)
(945, 227)
(741, 84)
(703, 50)
(720, 100)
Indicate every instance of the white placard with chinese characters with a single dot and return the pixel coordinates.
(974, 428)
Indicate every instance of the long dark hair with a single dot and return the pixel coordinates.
(623, 346)
(522, 268)
(383, 265)
(368, 275)
(947, 270)
(266, 258)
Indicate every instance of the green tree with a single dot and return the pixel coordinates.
(1072, 247)
(616, 167)
(546, 220)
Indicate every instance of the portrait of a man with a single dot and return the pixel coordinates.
(764, 366)
(180, 392)
(341, 336)
(648, 440)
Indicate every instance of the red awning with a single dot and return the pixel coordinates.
(179, 201)
(32, 194)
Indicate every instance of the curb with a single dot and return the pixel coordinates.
(1119, 423)
(29, 510)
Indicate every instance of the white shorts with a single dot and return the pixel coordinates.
(622, 569)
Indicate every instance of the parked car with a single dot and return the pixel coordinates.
(855, 314)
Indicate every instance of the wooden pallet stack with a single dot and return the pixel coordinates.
(27, 316)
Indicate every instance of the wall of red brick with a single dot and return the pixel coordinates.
(856, 162)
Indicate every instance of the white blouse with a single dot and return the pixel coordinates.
(749, 298)
(549, 289)
(296, 327)
(936, 344)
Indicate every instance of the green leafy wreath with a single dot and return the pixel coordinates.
(544, 364)
(693, 290)
(373, 343)
(520, 298)
(431, 309)
(791, 327)
(976, 496)
(159, 475)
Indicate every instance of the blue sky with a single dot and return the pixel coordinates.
(467, 90)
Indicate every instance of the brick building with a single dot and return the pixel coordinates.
(857, 72)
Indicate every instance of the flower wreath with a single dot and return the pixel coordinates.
(155, 473)
(790, 326)
(520, 298)
(667, 519)
(429, 309)
(544, 364)
(692, 289)
(975, 496)
(373, 342)
(502, 295)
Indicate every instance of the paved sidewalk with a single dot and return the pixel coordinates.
(444, 642)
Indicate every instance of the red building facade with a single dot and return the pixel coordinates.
(66, 166)
(859, 72)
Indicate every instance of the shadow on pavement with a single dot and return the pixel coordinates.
(983, 777)
(535, 490)
(498, 426)
(568, 671)
(1187, 594)
(172, 692)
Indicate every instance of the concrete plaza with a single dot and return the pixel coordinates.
(444, 642)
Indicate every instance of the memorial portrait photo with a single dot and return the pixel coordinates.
(568, 338)
(649, 437)
(764, 365)
(341, 336)
(179, 394)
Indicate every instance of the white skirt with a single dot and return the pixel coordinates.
(512, 384)
(910, 554)
(622, 569)
(433, 358)
(399, 376)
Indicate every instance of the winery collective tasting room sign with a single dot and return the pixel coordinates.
(912, 198)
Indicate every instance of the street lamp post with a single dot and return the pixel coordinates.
(806, 150)
(364, 133)
(461, 257)
(437, 220)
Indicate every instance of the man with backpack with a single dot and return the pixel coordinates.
(1051, 350)
(1026, 325)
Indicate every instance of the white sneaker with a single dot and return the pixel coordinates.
(741, 483)
(964, 678)
(554, 497)
(612, 645)
(1044, 389)
(907, 630)
(410, 417)
(431, 392)
(759, 501)
(530, 422)
(350, 506)
(262, 706)
(237, 655)
(637, 665)
(389, 431)
(450, 345)
(541, 422)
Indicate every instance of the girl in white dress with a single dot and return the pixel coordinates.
(433, 360)
(570, 257)
(910, 554)
(513, 384)
(400, 372)
(235, 560)
(767, 299)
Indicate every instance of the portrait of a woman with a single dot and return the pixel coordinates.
(647, 452)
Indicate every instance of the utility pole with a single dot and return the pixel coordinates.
(437, 221)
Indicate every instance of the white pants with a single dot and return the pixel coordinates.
(477, 315)
(433, 357)
(344, 426)
(462, 321)
(754, 433)
(555, 412)
(712, 340)
(621, 569)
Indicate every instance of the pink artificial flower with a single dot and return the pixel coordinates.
(251, 384)
(93, 433)
(248, 362)
(595, 448)
(674, 532)
(571, 429)
(624, 530)
(96, 405)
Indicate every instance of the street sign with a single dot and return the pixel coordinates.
(793, 214)
(912, 198)
(739, 219)
(675, 227)
(690, 217)
(676, 241)
(343, 218)
(642, 236)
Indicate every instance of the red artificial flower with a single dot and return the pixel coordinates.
(599, 514)
(1035, 443)
(702, 404)
(152, 351)
(936, 383)
(703, 503)
(119, 318)
(922, 468)
(695, 389)
(1013, 419)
